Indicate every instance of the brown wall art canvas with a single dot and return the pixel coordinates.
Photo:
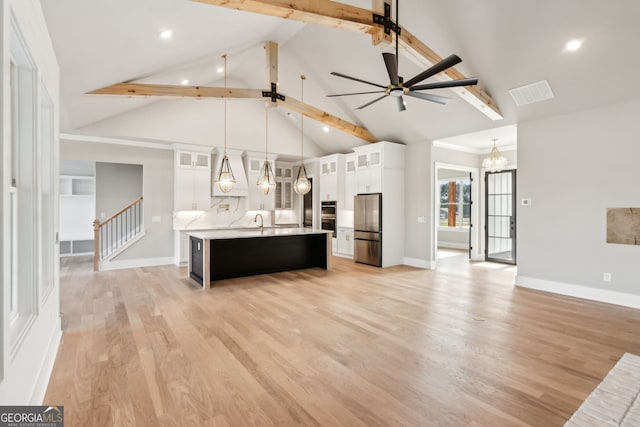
(623, 226)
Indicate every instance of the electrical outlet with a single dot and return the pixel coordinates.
(155, 219)
(606, 277)
(526, 202)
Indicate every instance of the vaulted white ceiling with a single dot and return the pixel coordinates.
(506, 44)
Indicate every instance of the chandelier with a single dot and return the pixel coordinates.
(496, 161)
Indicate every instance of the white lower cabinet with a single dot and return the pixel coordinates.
(345, 242)
(181, 248)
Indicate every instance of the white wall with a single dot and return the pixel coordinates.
(418, 204)
(201, 122)
(117, 185)
(26, 361)
(573, 168)
(157, 169)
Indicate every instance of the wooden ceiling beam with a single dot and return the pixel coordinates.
(179, 91)
(338, 15)
(176, 91)
(326, 118)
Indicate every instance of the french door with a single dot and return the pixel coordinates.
(500, 216)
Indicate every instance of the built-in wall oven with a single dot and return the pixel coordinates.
(328, 216)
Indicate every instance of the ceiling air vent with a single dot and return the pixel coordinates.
(529, 94)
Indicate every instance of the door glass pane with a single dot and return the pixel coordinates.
(185, 159)
(202, 160)
(500, 219)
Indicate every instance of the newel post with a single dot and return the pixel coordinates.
(96, 245)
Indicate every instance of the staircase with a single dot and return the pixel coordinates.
(115, 234)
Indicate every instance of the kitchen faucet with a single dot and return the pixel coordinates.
(261, 222)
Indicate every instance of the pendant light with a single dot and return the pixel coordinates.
(266, 181)
(302, 185)
(225, 179)
(496, 161)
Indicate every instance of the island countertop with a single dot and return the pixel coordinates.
(219, 234)
(224, 254)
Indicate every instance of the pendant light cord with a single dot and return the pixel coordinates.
(224, 99)
(302, 79)
(266, 134)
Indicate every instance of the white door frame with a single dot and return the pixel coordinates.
(475, 241)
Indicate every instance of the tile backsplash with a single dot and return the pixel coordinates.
(229, 212)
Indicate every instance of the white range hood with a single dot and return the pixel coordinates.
(241, 188)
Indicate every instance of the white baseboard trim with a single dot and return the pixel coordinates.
(40, 388)
(140, 262)
(418, 263)
(578, 291)
(343, 255)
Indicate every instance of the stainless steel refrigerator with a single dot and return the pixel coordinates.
(367, 227)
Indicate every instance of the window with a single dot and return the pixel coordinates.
(13, 193)
(455, 203)
(23, 190)
(47, 206)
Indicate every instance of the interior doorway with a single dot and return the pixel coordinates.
(456, 214)
(500, 216)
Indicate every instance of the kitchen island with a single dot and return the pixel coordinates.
(224, 254)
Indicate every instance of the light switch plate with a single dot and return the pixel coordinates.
(421, 220)
(155, 219)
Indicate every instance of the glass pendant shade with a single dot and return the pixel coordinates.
(496, 161)
(302, 185)
(267, 181)
(225, 179)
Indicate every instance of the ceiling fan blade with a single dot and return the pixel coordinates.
(392, 67)
(355, 93)
(400, 103)
(427, 96)
(447, 62)
(344, 76)
(369, 103)
(452, 83)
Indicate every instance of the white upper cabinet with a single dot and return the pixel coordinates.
(192, 180)
(332, 179)
(188, 160)
(350, 181)
(284, 187)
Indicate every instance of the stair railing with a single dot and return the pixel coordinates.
(114, 232)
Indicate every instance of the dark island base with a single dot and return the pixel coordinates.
(246, 257)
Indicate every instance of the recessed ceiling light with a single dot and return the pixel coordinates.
(220, 70)
(574, 45)
(166, 34)
(185, 82)
(325, 128)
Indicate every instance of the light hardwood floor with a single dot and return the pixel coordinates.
(357, 346)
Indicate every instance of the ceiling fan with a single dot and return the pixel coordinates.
(398, 87)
